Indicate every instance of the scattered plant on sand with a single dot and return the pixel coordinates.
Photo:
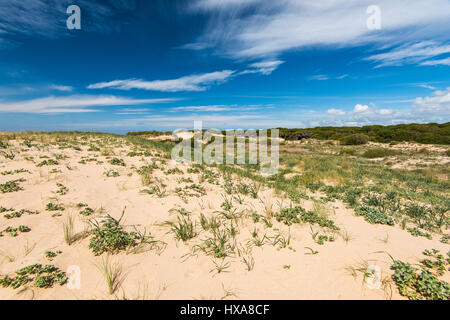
(426, 284)
(109, 236)
(41, 276)
(11, 186)
(184, 228)
(113, 273)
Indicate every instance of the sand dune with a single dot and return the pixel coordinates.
(173, 269)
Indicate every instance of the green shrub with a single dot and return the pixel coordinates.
(423, 133)
(373, 215)
(13, 232)
(416, 232)
(425, 285)
(87, 211)
(53, 207)
(380, 153)
(355, 139)
(49, 162)
(184, 229)
(350, 152)
(117, 162)
(297, 214)
(110, 236)
(289, 215)
(43, 276)
(11, 186)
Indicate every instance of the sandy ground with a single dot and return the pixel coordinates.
(169, 274)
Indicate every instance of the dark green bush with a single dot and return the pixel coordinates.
(374, 215)
(297, 214)
(426, 284)
(380, 153)
(43, 276)
(423, 133)
(355, 139)
(350, 152)
(109, 236)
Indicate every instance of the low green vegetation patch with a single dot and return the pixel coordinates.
(11, 186)
(348, 152)
(111, 173)
(16, 214)
(428, 133)
(49, 162)
(374, 215)
(355, 139)
(158, 188)
(380, 153)
(10, 172)
(41, 277)
(54, 207)
(416, 232)
(445, 238)
(298, 215)
(86, 211)
(117, 162)
(14, 232)
(109, 236)
(50, 255)
(173, 171)
(183, 229)
(423, 283)
(62, 190)
(320, 239)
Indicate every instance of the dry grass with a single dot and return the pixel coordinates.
(113, 274)
(68, 229)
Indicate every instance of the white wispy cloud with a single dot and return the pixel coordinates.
(411, 53)
(360, 108)
(263, 67)
(426, 86)
(265, 29)
(323, 77)
(61, 88)
(444, 62)
(222, 4)
(319, 77)
(217, 108)
(438, 103)
(196, 82)
(210, 108)
(72, 104)
(209, 121)
(131, 111)
(15, 90)
(339, 112)
(433, 108)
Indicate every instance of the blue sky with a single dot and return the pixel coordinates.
(160, 65)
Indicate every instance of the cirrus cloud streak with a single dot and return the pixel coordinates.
(72, 104)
